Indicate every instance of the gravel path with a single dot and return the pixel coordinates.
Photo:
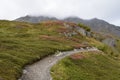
(41, 69)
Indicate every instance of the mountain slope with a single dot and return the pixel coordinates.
(23, 43)
(34, 19)
(96, 25)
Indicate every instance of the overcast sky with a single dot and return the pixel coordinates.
(108, 10)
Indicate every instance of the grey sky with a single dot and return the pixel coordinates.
(108, 10)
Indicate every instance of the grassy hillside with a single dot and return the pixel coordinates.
(23, 43)
(87, 66)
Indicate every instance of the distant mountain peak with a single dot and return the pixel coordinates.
(95, 18)
(35, 19)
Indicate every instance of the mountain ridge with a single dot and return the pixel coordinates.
(96, 25)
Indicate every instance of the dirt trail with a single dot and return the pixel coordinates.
(41, 69)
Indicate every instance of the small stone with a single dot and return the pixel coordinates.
(24, 71)
(75, 49)
(49, 61)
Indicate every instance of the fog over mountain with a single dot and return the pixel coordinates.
(107, 10)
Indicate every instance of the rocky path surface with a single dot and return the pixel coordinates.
(41, 69)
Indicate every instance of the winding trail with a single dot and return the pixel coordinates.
(41, 69)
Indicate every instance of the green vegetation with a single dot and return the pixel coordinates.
(86, 66)
(84, 27)
(117, 45)
(92, 66)
(112, 52)
(23, 43)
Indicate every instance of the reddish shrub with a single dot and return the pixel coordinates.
(62, 30)
(79, 46)
(77, 56)
(51, 38)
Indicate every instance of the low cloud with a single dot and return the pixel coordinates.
(104, 9)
